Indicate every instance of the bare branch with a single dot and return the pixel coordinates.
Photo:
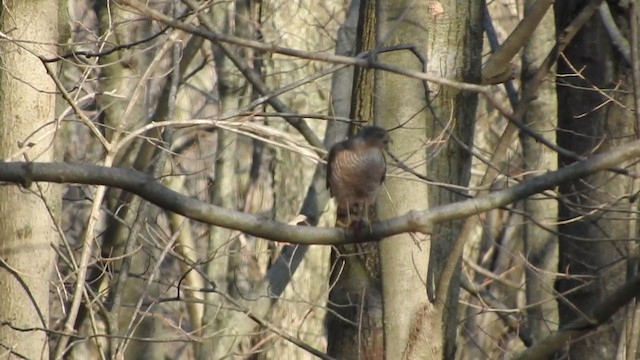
(360, 60)
(414, 221)
(597, 316)
(497, 68)
(618, 40)
(529, 93)
(255, 79)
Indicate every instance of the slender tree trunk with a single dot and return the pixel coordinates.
(124, 72)
(356, 293)
(292, 173)
(230, 89)
(540, 244)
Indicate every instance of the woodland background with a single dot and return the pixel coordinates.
(163, 180)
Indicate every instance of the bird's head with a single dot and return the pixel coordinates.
(375, 136)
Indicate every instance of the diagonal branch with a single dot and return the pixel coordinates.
(497, 68)
(599, 314)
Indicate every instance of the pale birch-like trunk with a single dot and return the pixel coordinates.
(28, 214)
(540, 239)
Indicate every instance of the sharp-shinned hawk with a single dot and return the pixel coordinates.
(355, 170)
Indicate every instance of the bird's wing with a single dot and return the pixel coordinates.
(335, 149)
(330, 159)
(384, 173)
(330, 162)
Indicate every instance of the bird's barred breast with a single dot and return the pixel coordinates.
(356, 175)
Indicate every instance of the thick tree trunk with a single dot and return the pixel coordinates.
(355, 288)
(591, 211)
(404, 258)
(28, 214)
(449, 40)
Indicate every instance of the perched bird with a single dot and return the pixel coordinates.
(355, 170)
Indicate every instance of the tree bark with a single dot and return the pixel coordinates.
(405, 257)
(591, 213)
(540, 243)
(450, 42)
(355, 288)
(29, 214)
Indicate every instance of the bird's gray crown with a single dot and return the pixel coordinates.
(374, 135)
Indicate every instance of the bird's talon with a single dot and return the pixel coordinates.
(340, 223)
